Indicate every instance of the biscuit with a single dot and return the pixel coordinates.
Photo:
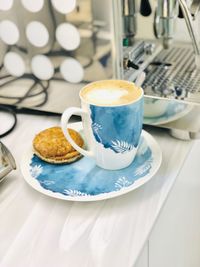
(51, 146)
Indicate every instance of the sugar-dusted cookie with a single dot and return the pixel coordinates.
(51, 145)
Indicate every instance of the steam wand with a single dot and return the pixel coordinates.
(193, 36)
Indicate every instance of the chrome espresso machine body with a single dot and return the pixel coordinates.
(172, 68)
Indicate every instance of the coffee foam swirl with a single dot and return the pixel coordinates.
(106, 95)
(111, 92)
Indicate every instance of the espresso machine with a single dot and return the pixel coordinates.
(172, 67)
(144, 44)
(135, 40)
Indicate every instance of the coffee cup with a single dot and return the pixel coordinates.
(155, 107)
(112, 116)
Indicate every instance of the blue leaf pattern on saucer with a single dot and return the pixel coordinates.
(118, 128)
(84, 178)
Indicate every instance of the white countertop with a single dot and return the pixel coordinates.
(39, 231)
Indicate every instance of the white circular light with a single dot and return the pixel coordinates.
(37, 34)
(68, 36)
(9, 32)
(6, 4)
(64, 6)
(14, 64)
(42, 67)
(33, 5)
(71, 70)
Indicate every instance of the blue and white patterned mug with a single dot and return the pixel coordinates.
(112, 115)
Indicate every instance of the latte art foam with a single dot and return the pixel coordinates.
(111, 92)
(107, 96)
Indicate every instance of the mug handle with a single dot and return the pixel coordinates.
(64, 122)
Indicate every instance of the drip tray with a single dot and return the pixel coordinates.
(173, 74)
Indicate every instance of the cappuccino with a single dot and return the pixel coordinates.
(111, 93)
(112, 115)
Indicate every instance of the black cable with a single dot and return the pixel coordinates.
(22, 49)
(6, 76)
(64, 53)
(51, 11)
(10, 111)
(63, 80)
(21, 99)
(45, 94)
(9, 81)
(31, 90)
(29, 93)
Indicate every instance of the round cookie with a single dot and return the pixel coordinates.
(51, 145)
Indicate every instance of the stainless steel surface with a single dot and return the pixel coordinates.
(171, 78)
(191, 29)
(166, 14)
(173, 74)
(142, 53)
(7, 162)
(165, 19)
(140, 79)
(194, 8)
(129, 20)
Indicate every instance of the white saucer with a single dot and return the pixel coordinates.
(84, 181)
